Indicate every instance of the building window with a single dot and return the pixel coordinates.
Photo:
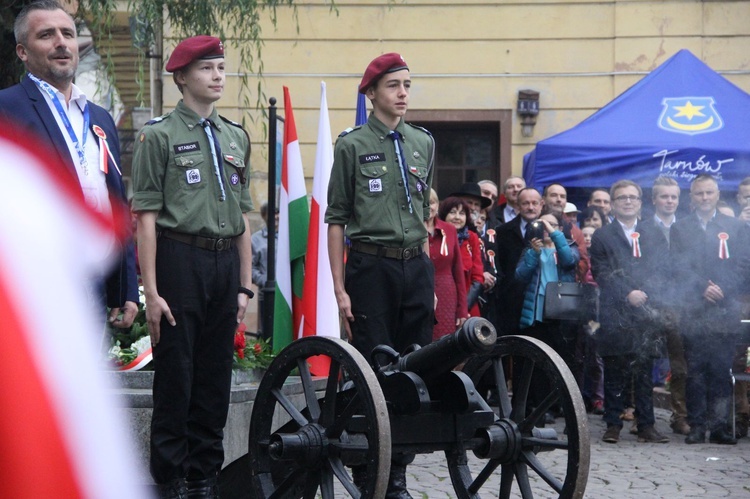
(471, 146)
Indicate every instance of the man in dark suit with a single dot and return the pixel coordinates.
(626, 260)
(710, 257)
(507, 211)
(503, 248)
(81, 135)
(665, 196)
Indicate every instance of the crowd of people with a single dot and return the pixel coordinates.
(415, 268)
(671, 288)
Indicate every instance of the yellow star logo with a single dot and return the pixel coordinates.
(689, 110)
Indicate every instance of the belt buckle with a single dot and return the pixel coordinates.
(408, 253)
(221, 244)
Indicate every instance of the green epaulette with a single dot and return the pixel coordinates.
(349, 130)
(420, 128)
(158, 118)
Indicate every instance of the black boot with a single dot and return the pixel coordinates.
(176, 489)
(697, 435)
(397, 483)
(203, 489)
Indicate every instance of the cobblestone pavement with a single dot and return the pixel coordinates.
(625, 470)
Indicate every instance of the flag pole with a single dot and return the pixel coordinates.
(269, 291)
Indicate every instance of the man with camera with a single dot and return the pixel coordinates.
(503, 248)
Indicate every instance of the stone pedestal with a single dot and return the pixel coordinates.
(135, 389)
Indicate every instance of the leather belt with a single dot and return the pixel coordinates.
(206, 243)
(396, 253)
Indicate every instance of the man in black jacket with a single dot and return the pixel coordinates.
(626, 259)
(503, 248)
(709, 252)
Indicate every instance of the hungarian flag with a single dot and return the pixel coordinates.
(293, 222)
(62, 432)
(319, 304)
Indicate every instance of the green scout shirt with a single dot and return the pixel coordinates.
(366, 192)
(173, 173)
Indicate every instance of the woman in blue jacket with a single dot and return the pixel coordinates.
(549, 258)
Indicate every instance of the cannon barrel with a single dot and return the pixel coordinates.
(477, 335)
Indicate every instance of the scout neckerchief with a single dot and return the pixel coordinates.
(216, 154)
(79, 144)
(402, 164)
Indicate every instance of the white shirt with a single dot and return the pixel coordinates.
(628, 231)
(509, 213)
(91, 177)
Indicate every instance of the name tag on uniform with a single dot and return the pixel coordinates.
(193, 176)
(375, 157)
(181, 148)
(376, 185)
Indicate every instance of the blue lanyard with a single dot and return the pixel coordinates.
(215, 154)
(79, 145)
(402, 164)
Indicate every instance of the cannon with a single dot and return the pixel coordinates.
(452, 396)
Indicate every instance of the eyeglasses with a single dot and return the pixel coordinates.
(628, 198)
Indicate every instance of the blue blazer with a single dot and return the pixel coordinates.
(25, 106)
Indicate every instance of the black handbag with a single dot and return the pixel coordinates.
(568, 301)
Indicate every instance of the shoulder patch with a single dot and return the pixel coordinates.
(158, 119)
(349, 130)
(227, 120)
(420, 128)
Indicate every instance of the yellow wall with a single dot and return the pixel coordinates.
(477, 54)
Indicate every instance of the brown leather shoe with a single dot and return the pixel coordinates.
(650, 435)
(612, 435)
(681, 427)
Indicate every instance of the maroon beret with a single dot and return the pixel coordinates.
(195, 47)
(384, 64)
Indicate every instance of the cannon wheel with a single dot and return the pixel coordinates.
(299, 449)
(522, 461)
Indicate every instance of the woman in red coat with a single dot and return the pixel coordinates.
(449, 273)
(456, 212)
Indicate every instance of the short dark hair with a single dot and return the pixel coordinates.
(21, 25)
(602, 189)
(449, 203)
(589, 211)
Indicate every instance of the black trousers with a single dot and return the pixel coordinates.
(618, 372)
(392, 301)
(193, 360)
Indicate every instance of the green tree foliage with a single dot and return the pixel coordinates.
(236, 22)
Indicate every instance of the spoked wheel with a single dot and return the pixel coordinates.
(533, 461)
(300, 445)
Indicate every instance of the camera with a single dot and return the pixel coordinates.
(535, 230)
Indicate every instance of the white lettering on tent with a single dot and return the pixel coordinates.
(688, 169)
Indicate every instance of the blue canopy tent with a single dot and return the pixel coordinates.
(681, 120)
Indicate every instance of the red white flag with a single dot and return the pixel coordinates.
(61, 433)
(290, 254)
(318, 300)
